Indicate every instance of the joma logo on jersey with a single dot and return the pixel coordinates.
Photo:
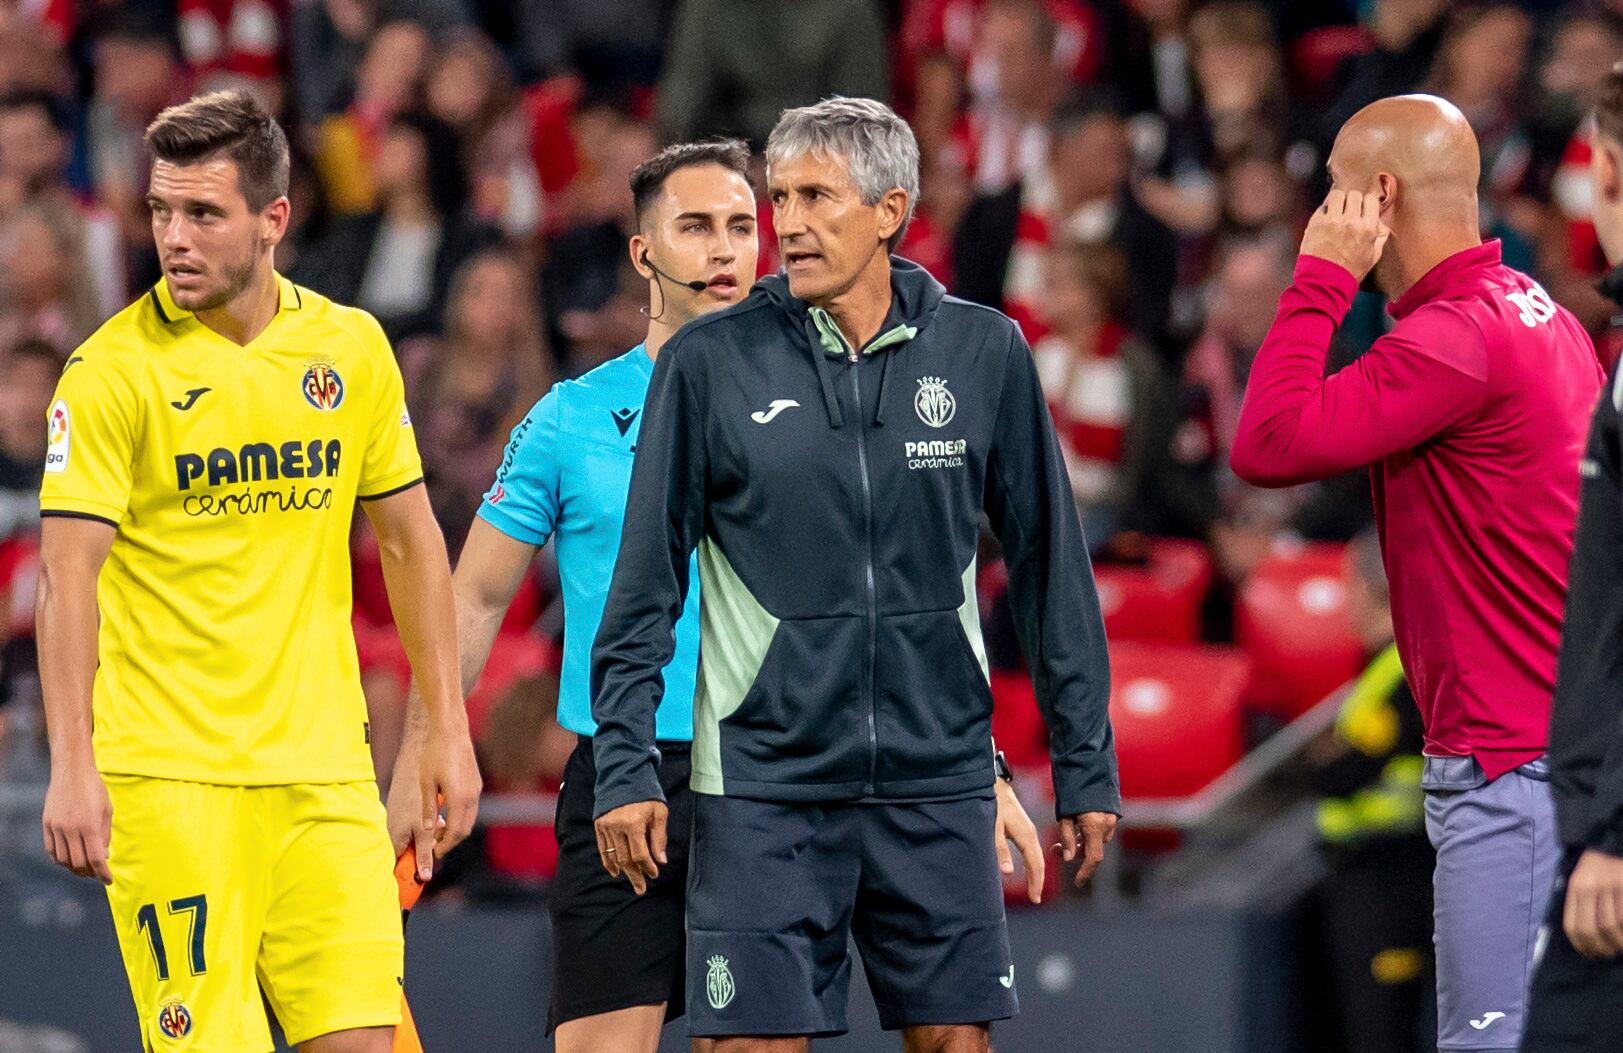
(259, 462)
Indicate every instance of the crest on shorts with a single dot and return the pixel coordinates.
(323, 387)
(934, 403)
(718, 983)
(174, 1019)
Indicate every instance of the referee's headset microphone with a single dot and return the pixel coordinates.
(695, 285)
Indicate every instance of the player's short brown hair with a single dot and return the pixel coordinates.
(648, 178)
(229, 123)
(1609, 107)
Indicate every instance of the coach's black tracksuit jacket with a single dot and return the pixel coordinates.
(1586, 722)
(835, 500)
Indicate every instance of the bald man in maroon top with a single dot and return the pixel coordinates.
(1471, 414)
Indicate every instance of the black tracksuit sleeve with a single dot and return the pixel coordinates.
(1586, 725)
(665, 514)
(1051, 591)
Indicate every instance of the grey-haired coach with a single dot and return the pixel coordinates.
(829, 446)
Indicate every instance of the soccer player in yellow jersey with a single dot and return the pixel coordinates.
(207, 449)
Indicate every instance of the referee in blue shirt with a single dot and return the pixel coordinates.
(618, 952)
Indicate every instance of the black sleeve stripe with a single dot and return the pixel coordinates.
(50, 513)
(402, 488)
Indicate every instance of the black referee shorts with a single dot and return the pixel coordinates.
(611, 948)
(1576, 1003)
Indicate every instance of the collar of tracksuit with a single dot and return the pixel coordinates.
(915, 295)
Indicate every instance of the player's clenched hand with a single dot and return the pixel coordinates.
(631, 841)
(448, 776)
(1593, 915)
(1347, 230)
(1090, 831)
(1013, 824)
(79, 821)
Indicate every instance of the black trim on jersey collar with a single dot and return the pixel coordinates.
(157, 302)
(51, 513)
(157, 305)
(402, 488)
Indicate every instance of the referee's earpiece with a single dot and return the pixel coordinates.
(647, 312)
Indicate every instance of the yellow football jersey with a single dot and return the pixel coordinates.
(231, 475)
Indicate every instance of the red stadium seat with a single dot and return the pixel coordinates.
(1176, 710)
(1159, 601)
(1291, 619)
(19, 572)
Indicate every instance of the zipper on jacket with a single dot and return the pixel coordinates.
(868, 574)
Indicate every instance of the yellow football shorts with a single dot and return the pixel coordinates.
(220, 892)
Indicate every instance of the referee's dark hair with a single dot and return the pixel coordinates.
(231, 123)
(648, 178)
(1609, 107)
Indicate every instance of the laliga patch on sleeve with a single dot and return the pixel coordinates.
(405, 418)
(59, 437)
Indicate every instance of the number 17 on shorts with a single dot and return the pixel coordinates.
(229, 897)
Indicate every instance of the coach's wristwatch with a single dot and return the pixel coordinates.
(1000, 764)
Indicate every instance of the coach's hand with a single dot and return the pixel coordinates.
(1013, 824)
(447, 775)
(631, 841)
(1347, 230)
(79, 820)
(1091, 831)
(1593, 916)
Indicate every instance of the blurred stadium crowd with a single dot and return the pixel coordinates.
(1126, 178)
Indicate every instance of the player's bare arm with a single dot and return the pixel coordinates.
(418, 575)
(487, 576)
(78, 818)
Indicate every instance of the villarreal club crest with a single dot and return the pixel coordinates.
(323, 387)
(174, 1020)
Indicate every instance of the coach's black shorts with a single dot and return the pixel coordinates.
(611, 948)
(1576, 1003)
(775, 890)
